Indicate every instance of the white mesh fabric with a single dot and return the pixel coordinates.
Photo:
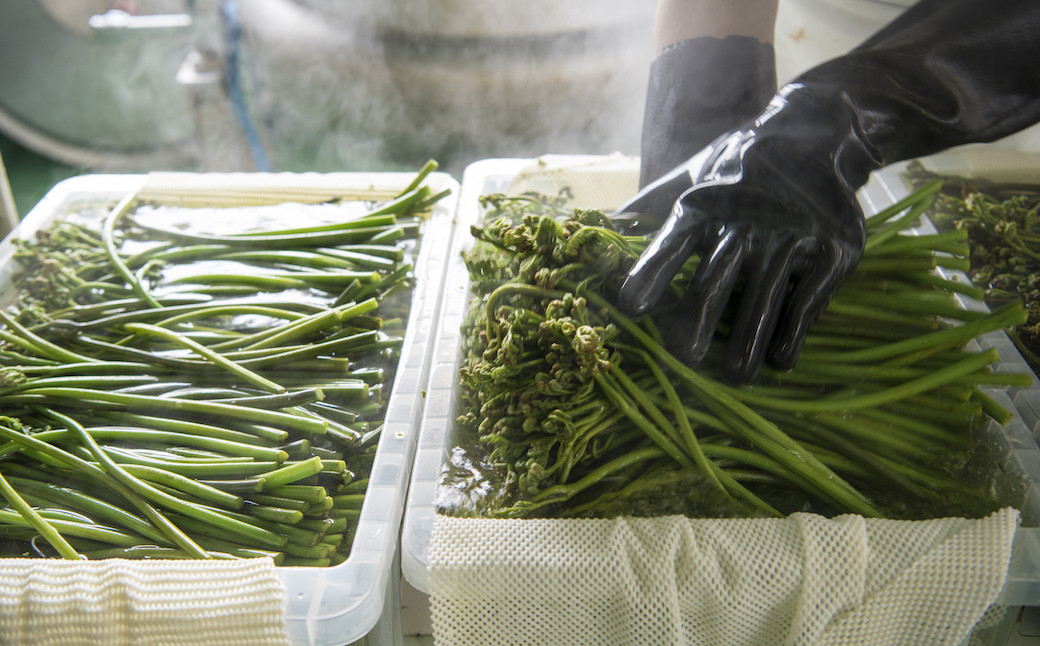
(48, 602)
(799, 580)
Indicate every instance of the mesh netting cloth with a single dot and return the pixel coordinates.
(803, 579)
(48, 602)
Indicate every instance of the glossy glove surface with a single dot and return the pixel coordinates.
(770, 219)
(770, 207)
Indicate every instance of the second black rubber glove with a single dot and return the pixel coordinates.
(772, 211)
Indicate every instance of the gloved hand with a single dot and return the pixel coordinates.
(770, 207)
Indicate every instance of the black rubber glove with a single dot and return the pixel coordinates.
(771, 208)
(698, 89)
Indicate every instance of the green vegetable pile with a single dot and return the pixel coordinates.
(569, 408)
(172, 393)
(1002, 223)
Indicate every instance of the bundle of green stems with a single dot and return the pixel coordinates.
(568, 407)
(1003, 235)
(170, 393)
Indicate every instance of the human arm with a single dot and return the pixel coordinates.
(714, 68)
(770, 207)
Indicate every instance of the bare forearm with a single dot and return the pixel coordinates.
(678, 20)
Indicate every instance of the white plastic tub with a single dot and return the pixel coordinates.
(1018, 440)
(611, 180)
(435, 431)
(343, 603)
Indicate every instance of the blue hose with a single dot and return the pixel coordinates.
(233, 83)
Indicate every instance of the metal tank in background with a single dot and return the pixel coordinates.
(451, 79)
(94, 96)
(137, 85)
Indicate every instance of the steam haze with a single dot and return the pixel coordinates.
(325, 86)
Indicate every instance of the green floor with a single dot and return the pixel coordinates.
(31, 175)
